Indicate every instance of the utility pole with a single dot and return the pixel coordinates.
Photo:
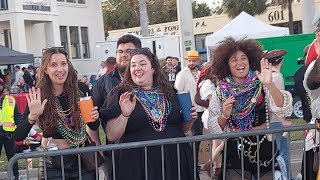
(307, 15)
(185, 19)
(143, 18)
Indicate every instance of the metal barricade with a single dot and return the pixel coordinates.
(161, 143)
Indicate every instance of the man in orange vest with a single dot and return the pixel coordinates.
(9, 117)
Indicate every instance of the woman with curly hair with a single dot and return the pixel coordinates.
(144, 107)
(53, 105)
(244, 96)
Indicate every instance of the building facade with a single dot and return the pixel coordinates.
(210, 24)
(32, 25)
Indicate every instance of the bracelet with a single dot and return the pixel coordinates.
(124, 115)
(222, 115)
(32, 121)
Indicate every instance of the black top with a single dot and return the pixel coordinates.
(28, 78)
(84, 88)
(24, 127)
(138, 127)
(16, 117)
(102, 87)
(130, 163)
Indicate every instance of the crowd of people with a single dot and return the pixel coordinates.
(134, 98)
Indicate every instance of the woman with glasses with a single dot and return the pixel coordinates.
(244, 96)
(144, 107)
(53, 105)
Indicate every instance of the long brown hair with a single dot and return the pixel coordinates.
(47, 121)
(158, 77)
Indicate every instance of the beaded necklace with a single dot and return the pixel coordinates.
(156, 106)
(246, 94)
(70, 124)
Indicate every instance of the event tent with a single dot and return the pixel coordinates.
(245, 25)
(9, 56)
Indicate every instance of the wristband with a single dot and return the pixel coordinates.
(222, 115)
(31, 121)
(124, 115)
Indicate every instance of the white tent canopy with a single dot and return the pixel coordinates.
(245, 25)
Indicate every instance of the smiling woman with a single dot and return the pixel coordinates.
(144, 107)
(244, 98)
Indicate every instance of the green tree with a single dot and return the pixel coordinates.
(120, 14)
(234, 7)
(200, 9)
(286, 4)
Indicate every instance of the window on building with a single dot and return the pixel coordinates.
(64, 37)
(60, 0)
(85, 42)
(7, 38)
(3, 4)
(71, 1)
(74, 42)
(200, 41)
(81, 1)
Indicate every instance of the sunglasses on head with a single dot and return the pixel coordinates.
(48, 48)
(145, 51)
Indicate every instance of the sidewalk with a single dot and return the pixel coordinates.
(296, 157)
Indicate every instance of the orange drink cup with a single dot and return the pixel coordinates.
(86, 106)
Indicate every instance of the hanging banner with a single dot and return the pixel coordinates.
(36, 5)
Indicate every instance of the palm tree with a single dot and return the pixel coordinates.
(284, 5)
(234, 7)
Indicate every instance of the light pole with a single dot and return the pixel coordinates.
(143, 18)
(185, 19)
(307, 15)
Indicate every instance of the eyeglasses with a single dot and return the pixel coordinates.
(126, 51)
(145, 51)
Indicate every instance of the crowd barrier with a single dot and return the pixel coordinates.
(161, 142)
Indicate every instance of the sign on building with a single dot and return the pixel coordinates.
(36, 5)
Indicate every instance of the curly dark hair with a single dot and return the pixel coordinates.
(228, 47)
(48, 120)
(158, 80)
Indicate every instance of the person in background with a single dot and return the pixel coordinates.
(176, 64)
(37, 75)
(105, 83)
(53, 105)
(244, 98)
(186, 80)
(28, 79)
(2, 75)
(205, 88)
(9, 118)
(18, 74)
(152, 114)
(83, 85)
(31, 142)
(102, 68)
(111, 64)
(300, 90)
(275, 57)
(311, 84)
(169, 71)
(7, 79)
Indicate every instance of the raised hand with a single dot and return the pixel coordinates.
(227, 107)
(265, 75)
(126, 105)
(36, 106)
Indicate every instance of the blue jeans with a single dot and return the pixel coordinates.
(282, 144)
